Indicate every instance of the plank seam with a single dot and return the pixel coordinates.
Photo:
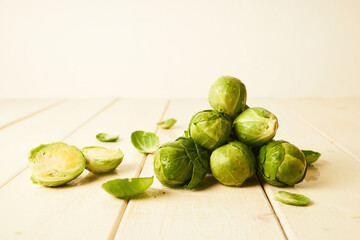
(121, 214)
(64, 138)
(33, 113)
(272, 208)
(323, 134)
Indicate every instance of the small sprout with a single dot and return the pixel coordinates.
(167, 123)
(311, 156)
(233, 163)
(105, 137)
(145, 142)
(292, 198)
(255, 126)
(102, 160)
(55, 164)
(182, 162)
(127, 187)
(210, 129)
(228, 95)
(280, 163)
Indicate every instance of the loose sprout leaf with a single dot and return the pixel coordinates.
(105, 137)
(127, 187)
(167, 123)
(145, 142)
(292, 198)
(311, 156)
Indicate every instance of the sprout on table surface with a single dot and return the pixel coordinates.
(55, 164)
(233, 163)
(101, 159)
(182, 162)
(281, 163)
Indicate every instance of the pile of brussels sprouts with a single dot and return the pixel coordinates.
(233, 142)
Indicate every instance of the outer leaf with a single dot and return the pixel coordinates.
(200, 159)
(145, 142)
(292, 198)
(127, 187)
(311, 156)
(167, 123)
(105, 137)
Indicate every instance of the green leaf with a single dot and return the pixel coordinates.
(199, 157)
(105, 137)
(145, 142)
(167, 123)
(311, 156)
(292, 198)
(127, 187)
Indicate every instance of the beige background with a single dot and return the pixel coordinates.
(178, 48)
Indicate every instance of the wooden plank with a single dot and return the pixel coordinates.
(15, 110)
(332, 183)
(335, 121)
(48, 126)
(212, 212)
(80, 209)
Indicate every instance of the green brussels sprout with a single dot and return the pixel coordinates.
(228, 95)
(181, 163)
(55, 164)
(281, 164)
(255, 126)
(102, 160)
(210, 129)
(233, 163)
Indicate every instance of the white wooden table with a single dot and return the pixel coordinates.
(83, 210)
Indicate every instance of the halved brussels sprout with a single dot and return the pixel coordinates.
(228, 95)
(210, 129)
(255, 126)
(182, 162)
(232, 164)
(102, 160)
(55, 164)
(281, 163)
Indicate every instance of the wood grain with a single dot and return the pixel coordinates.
(80, 209)
(332, 183)
(213, 211)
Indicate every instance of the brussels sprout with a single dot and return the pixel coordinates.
(292, 198)
(232, 164)
(102, 160)
(167, 123)
(181, 162)
(127, 187)
(55, 164)
(281, 164)
(145, 142)
(255, 126)
(228, 95)
(311, 156)
(210, 129)
(105, 137)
